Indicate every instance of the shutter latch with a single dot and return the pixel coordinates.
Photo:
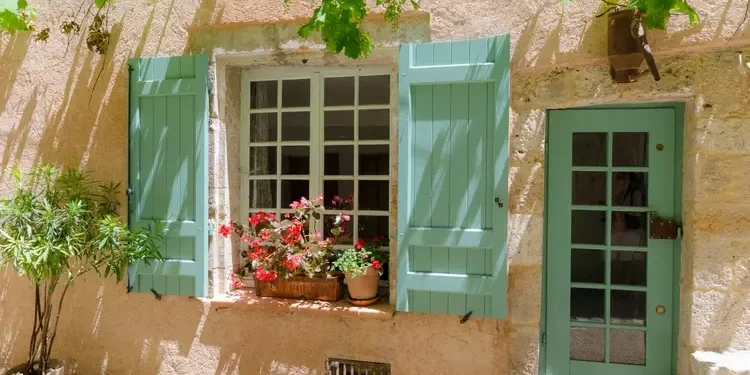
(499, 204)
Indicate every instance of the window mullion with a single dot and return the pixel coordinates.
(316, 140)
(355, 193)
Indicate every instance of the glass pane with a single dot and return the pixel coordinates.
(338, 195)
(374, 90)
(587, 266)
(373, 195)
(588, 227)
(338, 125)
(590, 188)
(372, 226)
(339, 91)
(627, 346)
(264, 94)
(262, 160)
(587, 305)
(629, 268)
(338, 160)
(295, 93)
(345, 237)
(374, 124)
(630, 150)
(263, 194)
(629, 228)
(628, 307)
(373, 160)
(630, 189)
(295, 126)
(590, 149)
(263, 127)
(295, 160)
(587, 344)
(293, 190)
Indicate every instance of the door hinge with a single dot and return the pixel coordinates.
(543, 339)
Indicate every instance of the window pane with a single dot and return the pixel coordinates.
(629, 268)
(628, 307)
(374, 124)
(295, 160)
(588, 227)
(373, 160)
(346, 237)
(295, 126)
(629, 229)
(338, 160)
(630, 150)
(630, 189)
(262, 160)
(374, 90)
(338, 195)
(262, 194)
(295, 93)
(590, 149)
(372, 226)
(590, 188)
(338, 125)
(293, 190)
(373, 195)
(587, 266)
(263, 94)
(587, 305)
(587, 344)
(627, 346)
(263, 127)
(339, 91)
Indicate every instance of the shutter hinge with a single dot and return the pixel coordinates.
(129, 192)
(543, 339)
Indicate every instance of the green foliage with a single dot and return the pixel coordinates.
(340, 24)
(362, 256)
(16, 15)
(58, 226)
(657, 12)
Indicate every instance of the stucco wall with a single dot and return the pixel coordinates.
(49, 113)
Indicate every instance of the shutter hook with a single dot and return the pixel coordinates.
(497, 200)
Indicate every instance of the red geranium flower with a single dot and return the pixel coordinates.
(360, 244)
(225, 230)
(375, 264)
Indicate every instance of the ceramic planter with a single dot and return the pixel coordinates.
(628, 47)
(58, 368)
(321, 289)
(363, 286)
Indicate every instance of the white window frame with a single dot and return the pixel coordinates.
(317, 76)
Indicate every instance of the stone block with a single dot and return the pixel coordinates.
(526, 188)
(722, 177)
(525, 294)
(719, 320)
(720, 363)
(525, 239)
(719, 218)
(524, 350)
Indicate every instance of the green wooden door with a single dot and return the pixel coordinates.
(169, 170)
(609, 286)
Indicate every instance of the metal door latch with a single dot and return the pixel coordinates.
(660, 229)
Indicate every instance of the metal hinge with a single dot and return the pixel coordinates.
(129, 192)
(543, 338)
(499, 204)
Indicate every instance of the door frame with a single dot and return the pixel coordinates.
(679, 109)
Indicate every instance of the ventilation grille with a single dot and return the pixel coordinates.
(337, 366)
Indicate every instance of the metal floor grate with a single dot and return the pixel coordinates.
(336, 366)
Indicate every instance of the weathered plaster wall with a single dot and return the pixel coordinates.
(52, 111)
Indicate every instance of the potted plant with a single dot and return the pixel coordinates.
(287, 258)
(362, 266)
(627, 42)
(56, 227)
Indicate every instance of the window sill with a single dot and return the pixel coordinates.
(246, 298)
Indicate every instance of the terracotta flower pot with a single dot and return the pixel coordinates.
(57, 368)
(363, 286)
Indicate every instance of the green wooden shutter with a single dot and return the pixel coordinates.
(453, 177)
(169, 170)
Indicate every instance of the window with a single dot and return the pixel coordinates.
(312, 131)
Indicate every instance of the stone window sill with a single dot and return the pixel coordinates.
(246, 298)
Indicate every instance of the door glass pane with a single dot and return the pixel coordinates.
(587, 344)
(295, 93)
(627, 346)
(293, 190)
(370, 227)
(629, 228)
(630, 150)
(630, 189)
(339, 160)
(590, 188)
(338, 195)
(373, 160)
(295, 160)
(373, 195)
(262, 194)
(628, 307)
(264, 94)
(587, 305)
(587, 266)
(374, 124)
(295, 126)
(262, 160)
(338, 125)
(588, 227)
(263, 127)
(590, 149)
(374, 90)
(629, 268)
(339, 91)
